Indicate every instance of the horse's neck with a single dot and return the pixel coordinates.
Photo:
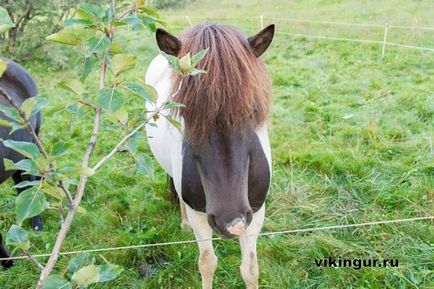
(158, 75)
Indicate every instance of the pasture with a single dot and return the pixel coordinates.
(351, 137)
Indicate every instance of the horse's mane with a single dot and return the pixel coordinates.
(235, 91)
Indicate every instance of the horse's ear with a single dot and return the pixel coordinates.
(167, 42)
(262, 40)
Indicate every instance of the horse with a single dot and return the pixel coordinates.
(220, 162)
(18, 84)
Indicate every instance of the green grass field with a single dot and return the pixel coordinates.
(351, 140)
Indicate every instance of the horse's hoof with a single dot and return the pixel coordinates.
(37, 224)
(7, 264)
(185, 226)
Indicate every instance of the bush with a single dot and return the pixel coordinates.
(162, 4)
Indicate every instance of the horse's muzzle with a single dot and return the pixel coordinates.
(232, 229)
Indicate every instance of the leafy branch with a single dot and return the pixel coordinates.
(93, 27)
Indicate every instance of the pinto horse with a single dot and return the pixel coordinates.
(17, 83)
(220, 164)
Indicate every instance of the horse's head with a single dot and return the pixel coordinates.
(224, 109)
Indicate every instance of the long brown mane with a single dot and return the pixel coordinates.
(235, 91)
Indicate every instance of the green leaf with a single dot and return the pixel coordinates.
(109, 272)
(54, 109)
(25, 184)
(198, 57)
(17, 237)
(9, 165)
(133, 143)
(54, 192)
(26, 165)
(79, 22)
(149, 11)
(132, 20)
(122, 62)
(4, 123)
(98, 44)
(150, 23)
(121, 115)
(27, 149)
(15, 127)
(144, 165)
(172, 104)
(78, 262)
(81, 210)
(59, 148)
(173, 61)
(174, 122)
(87, 67)
(56, 282)
(152, 92)
(11, 113)
(30, 203)
(71, 35)
(110, 99)
(84, 171)
(116, 48)
(137, 90)
(139, 3)
(33, 105)
(5, 21)
(185, 64)
(197, 71)
(86, 276)
(3, 67)
(73, 85)
(65, 36)
(90, 11)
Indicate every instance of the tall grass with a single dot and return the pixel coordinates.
(352, 141)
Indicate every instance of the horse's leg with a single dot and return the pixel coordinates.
(185, 224)
(4, 253)
(249, 264)
(207, 258)
(184, 220)
(35, 221)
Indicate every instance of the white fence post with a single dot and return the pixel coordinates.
(189, 21)
(383, 50)
(261, 18)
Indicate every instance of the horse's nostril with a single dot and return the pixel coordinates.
(212, 222)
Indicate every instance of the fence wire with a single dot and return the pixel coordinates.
(386, 26)
(275, 233)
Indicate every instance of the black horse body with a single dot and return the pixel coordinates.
(17, 83)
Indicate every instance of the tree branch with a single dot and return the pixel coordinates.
(125, 13)
(67, 192)
(35, 137)
(76, 203)
(134, 131)
(83, 179)
(27, 121)
(22, 21)
(30, 256)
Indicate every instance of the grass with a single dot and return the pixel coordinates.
(351, 138)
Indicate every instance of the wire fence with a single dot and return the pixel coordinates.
(383, 42)
(275, 233)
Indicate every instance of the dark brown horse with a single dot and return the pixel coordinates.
(221, 164)
(18, 83)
